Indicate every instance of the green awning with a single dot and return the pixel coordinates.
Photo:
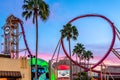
(40, 62)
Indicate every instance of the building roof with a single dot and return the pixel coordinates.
(63, 67)
(113, 69)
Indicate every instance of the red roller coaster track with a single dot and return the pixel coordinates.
(83, 16)
(24, 38)
(111, 45)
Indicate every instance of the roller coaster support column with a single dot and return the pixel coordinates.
(50, 69)
(31, 66)
(105, 73)
(101, 75)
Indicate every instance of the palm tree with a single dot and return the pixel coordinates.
(87, 55)
(78, 50)
(35, 9)
(69, 32)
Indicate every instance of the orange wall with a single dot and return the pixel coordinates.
(3, 78)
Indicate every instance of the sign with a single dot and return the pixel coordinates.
(63, 73)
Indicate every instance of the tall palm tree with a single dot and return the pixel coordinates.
(69, 32)
(78, 50)
(35, 9)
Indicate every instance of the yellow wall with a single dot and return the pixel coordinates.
(7, 64)
(3, 79)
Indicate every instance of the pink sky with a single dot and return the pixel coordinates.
(110, 60)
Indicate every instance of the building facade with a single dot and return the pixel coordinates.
(14, 69)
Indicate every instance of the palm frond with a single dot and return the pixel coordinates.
(25, 6)
(41, 7)
(33, 19)
(24, 13)
(29, 14)
(26, 17)
(43, 10)
(74, 37)
(26, 1)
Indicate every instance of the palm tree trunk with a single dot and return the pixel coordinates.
(70, 61)
(77, 62)
(80, 67)
(36, 45)
(88, 68)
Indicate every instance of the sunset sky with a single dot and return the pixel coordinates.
(94, 33)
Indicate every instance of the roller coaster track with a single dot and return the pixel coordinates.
(114, 30)
(24, 37)
(108, 72)
(111, 48)
(116, 53)
(115, 50)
